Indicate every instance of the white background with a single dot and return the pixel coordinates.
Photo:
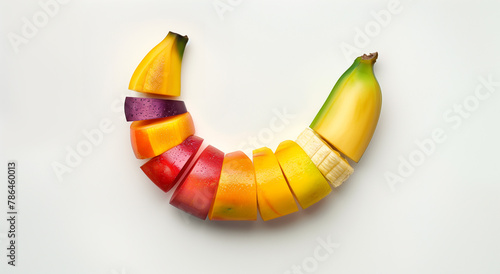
(240, 67)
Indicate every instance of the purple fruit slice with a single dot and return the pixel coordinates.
(137, 108)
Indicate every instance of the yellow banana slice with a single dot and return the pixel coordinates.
(335, 168)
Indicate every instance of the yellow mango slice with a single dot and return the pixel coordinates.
(273, 194)
(236, 197)
(304, 178)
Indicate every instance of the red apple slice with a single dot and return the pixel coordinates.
(196, 193)
(165, 169)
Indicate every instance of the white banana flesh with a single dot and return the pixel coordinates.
(335, 168)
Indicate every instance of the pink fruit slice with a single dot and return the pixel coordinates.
(196, 193)
(165, 169)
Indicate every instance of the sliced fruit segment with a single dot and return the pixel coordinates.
(273, 194)
(160, 70)
(304, 178)
(153, 137)
(137, 80)
(335, 168)
(236, 197)
(137, 108)
(196, 192)
(349, 116)
(165, 169)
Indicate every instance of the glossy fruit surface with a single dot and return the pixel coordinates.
(139, 108)
(304, 178)
(160, 70)
(236, 197)
(273, 194)
(150, 138)
(196, 193)
(165, 169)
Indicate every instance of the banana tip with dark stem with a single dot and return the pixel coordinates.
(372, 56)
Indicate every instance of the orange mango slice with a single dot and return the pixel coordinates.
(304, 178)
(273, 194)
(153, 137)
(160, 70)
(236, 197)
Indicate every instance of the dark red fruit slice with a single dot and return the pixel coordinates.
(165, 169)
(196, 193)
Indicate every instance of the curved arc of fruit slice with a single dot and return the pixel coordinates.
(335, 168)
(225, 187)
(236, 197)
(273, 194)
(166, 169)
(139, 108)
(195, 194)
(305, 180)
(152, 137)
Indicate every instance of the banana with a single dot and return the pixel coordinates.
(350, 114)
(160, 70)
(335, 168)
